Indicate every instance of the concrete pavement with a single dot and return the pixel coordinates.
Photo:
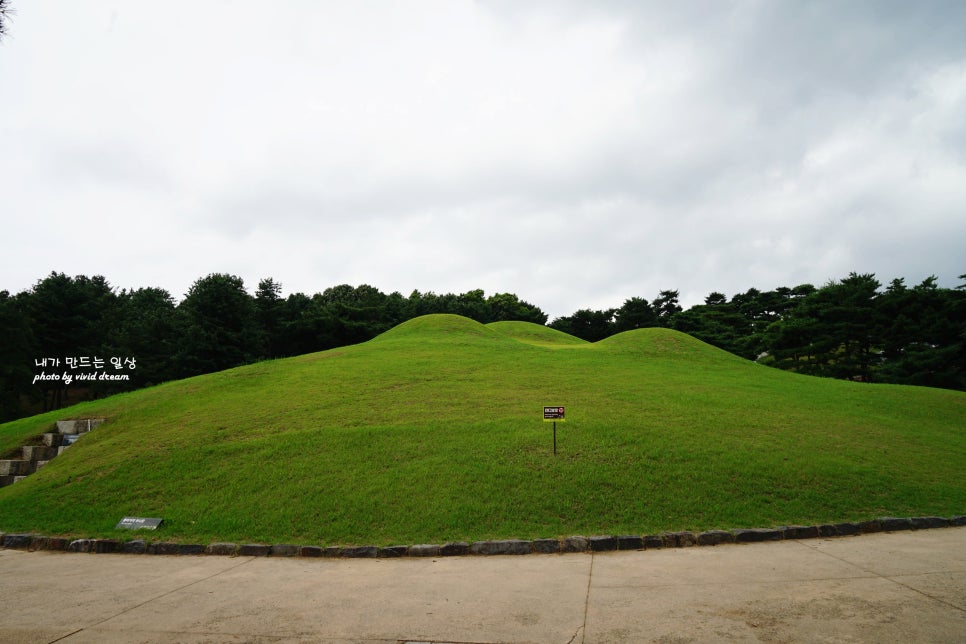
(906, 586)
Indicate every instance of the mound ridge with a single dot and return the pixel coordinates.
(652, 342)
(667, 343)
(438, 326)
(536, 334)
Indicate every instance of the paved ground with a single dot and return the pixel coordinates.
(907, 586)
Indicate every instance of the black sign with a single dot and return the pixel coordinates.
(137, 523)
(553, 413)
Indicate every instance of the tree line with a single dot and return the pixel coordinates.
(850, 328)
(150, 338)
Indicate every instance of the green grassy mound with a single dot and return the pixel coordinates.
(535, 334)
(433, 432)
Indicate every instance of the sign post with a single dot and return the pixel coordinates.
(553, 414)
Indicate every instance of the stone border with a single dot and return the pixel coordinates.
(604, 543)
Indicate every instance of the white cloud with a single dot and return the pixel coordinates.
(575, 154)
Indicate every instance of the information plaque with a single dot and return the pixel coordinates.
(553, 414)
(138, 523)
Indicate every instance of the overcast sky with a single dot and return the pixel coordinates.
(574, 153)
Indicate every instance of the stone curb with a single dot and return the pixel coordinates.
(598, 543)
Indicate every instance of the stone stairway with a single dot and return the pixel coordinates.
(46, 447)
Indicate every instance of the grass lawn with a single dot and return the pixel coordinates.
(433, 432)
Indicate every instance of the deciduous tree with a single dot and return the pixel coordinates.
(587, 324)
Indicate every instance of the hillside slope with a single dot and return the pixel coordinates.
(433, 432)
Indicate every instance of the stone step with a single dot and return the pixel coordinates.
(69, 439)
(17, 467)
(78, 426)
(67, 426)
(52, 439)
(38, 453)
(36, 456)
